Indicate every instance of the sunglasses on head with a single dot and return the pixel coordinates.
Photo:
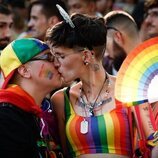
(47, 57)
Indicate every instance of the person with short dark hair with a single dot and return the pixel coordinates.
(43, 14)
(122, 35)
(91, 124)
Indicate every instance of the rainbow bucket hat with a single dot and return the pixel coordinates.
(17, 53)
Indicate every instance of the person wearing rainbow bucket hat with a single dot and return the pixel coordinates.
(29, 75)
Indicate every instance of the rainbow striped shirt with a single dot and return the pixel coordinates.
(107, 133)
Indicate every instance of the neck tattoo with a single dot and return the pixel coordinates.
(89, 106)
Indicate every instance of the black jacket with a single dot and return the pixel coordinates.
(19, 132)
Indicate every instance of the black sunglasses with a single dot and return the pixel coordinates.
(47, 57)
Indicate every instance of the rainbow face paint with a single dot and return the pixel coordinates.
(45, 72)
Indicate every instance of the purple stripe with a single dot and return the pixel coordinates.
(89, 137)
(127, 130)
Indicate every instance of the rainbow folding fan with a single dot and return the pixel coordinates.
(137, 79)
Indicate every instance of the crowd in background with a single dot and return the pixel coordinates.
(21, 11)
(128, 23)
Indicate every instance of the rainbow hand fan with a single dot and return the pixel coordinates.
(137, 79)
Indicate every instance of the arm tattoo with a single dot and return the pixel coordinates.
(150, 125)
(145, 108)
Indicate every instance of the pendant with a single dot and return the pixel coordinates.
(84, 127)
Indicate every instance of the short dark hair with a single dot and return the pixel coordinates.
(5, 10)
(121, 19)
(89, 32)
(117, 16)
(49, 7)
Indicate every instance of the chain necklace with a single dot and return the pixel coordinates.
(89, 106)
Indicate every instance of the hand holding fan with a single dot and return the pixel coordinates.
(137, 79)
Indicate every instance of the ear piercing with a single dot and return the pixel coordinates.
(86, 63)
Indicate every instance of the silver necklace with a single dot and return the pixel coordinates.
(89, 106)
(84, 124)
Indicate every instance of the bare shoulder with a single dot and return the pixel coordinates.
(58, 95)
(57, 100)
(74, 92)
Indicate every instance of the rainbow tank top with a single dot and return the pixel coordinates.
(107, 133)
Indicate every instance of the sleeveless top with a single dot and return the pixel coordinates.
(107, 133)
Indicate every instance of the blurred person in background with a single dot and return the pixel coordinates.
(122, 37)
(150, 28)
(83, 7)
(6, 23)
(104, 6)
(19, 10)
(125, 5)
(43, 14)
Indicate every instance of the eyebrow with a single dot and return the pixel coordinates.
(54, 52)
